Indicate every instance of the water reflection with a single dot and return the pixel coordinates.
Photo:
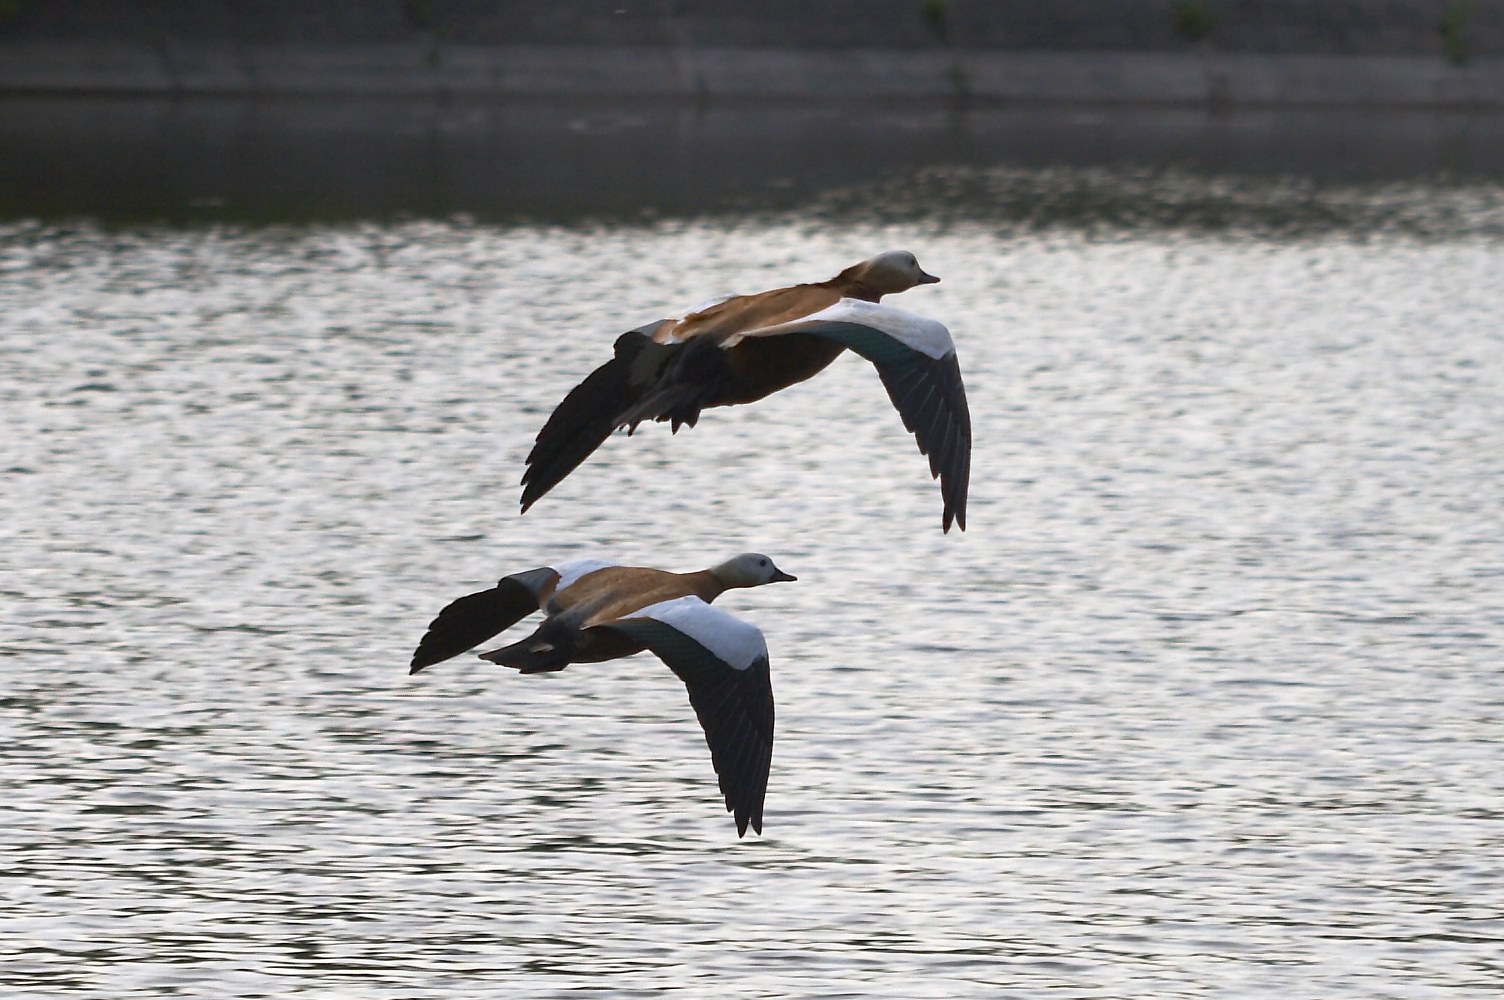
(204, 159)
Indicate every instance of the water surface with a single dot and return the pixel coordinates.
(1205, 703)
(196, 160)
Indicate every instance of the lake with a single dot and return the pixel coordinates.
(1206, 702)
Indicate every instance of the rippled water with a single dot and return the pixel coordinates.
(1207, 702)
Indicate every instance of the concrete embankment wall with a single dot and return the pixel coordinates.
(1375, 53)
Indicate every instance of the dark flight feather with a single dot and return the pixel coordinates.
(471, 620)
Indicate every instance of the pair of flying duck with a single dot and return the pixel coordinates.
(733, 350)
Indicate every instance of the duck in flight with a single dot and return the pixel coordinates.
(598, 611)
(740, 349)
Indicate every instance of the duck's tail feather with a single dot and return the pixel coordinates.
(698, 377)
(530, 656)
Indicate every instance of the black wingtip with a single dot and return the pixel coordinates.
(748, 815)
(424, 657)
(468, 621)
(585, 418)
(531, 491)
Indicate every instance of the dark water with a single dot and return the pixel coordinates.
(1206, 703)
(206, 160)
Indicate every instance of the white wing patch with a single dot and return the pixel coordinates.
(733, 641)
(915, 332)
(570, 572)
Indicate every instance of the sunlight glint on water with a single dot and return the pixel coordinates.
(1206, 703)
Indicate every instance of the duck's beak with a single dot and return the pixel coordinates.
(927, 279)
(779, 576)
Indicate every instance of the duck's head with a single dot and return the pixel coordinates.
(888, 273)
(750, 569)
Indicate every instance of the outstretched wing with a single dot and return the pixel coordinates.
(723, 661)
(916, 360)
(590, 412)
(931, 399)
(474, 618)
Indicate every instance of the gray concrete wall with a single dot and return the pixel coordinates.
(1403, 53)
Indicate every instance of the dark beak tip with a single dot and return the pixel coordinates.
(929, 279)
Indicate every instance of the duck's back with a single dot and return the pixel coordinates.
(616, 591)
(749, 312)
(758, 367)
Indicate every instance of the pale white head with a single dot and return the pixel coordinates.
(750, 569)
(888, 273)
